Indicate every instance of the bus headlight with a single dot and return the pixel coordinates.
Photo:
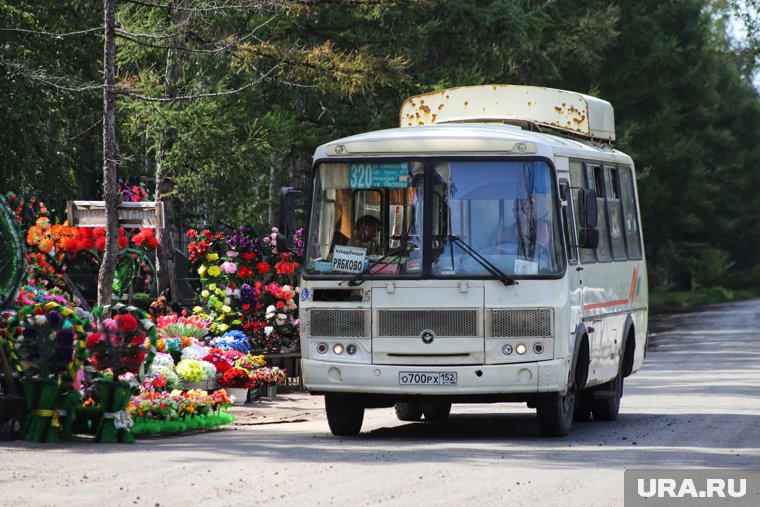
(521, 349)
(538, 347)
(506, 349)
(322, 348)
(351, 348)
(338, 349)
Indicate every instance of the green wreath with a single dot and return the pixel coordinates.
(12, 264)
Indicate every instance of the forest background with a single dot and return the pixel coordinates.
(220, 102)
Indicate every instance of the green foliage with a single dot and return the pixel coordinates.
(311, 72)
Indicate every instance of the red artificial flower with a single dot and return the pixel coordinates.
(123, 242)
(263, 268)
(249, 256)
(100, 243)
(245, 272)
(285, 267)
(191, 234)
(126, 322)
(93, 339)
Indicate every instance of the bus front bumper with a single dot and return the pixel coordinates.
(535, 377)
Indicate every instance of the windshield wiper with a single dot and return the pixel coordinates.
(503, 277)
(402, 250)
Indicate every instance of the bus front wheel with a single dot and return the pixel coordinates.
(555, 412)
(345, 414)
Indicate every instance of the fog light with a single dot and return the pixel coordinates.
(521, 349)
(538, 348)
(351, 348)
(322, 348)
(507, 349)
(338, 348)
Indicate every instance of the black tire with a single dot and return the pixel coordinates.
(555, 411)
(607, 399)
(408, 412)
(584, 404)
(436, 411)
(345, 414)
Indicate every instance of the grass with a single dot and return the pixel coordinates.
(674, 301)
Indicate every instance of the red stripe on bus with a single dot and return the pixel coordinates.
(605, 305)
(633, 284)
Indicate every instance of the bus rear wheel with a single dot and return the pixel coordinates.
(409, 412)
(345, 414)
(607, 399)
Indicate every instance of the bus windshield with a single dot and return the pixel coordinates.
(505, 211)
(368, 215)
(365, 212)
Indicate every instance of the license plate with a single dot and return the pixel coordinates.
(412, 378)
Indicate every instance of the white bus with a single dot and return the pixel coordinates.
(489, 250)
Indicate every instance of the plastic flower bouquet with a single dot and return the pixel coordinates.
(271, 375)
(121, 343)
(177, 411)
(173, 326)
(250, 363)
(194, 370)
(238, 378)
(42, 343)
(236, 340)
(218, 359)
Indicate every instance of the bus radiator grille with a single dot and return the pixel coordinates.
(338, 323)
(411, 323)
(521, 322)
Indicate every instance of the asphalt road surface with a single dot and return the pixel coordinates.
(695, 404)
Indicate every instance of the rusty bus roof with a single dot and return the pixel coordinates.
(572, 113)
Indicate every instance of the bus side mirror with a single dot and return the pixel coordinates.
(287, 217)
(587, 207)
(588, 238)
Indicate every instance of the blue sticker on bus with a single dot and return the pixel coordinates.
(304, 294)
(379, 175)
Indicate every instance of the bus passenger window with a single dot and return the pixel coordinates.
(615, 209)
(629, 213)
(596, 182)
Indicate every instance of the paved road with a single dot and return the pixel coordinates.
(696, 403)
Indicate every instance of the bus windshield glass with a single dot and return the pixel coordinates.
(505, 211)
(366, 215)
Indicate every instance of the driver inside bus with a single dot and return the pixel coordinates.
(529, 236)
(365, 234)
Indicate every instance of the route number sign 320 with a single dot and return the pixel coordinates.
(378, 175)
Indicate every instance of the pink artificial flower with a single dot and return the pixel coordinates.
(228, 267)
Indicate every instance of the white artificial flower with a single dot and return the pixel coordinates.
(195, 351)
(268, 330)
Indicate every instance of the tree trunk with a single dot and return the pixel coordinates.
(110, 194)
(166, 274)
(274, 189)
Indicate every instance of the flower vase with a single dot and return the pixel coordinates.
(115, 424)
(272, 391)
(255, 394)
(43, 423)
(240, 394)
